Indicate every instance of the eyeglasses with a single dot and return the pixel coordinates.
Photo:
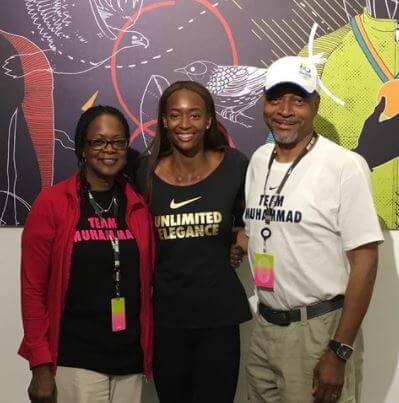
(100, 144)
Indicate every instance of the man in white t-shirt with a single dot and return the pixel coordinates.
(312, 237)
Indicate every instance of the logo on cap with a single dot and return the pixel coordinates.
(305, 71)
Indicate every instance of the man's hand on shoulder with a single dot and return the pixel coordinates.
(328, 378)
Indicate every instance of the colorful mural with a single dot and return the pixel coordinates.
(58, 57)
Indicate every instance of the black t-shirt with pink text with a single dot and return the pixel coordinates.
(86, 337)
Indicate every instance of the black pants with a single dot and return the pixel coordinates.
(196, 365)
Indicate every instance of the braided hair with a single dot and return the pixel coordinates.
(82, 127)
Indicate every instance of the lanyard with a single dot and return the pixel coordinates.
(114, 241)
(269, 209)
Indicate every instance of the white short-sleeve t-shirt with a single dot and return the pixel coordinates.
(324, 209)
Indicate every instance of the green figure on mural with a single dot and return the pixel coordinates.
(362, 69)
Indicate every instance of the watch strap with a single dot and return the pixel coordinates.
(342, 350)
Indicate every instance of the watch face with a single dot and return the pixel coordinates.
(344, 352)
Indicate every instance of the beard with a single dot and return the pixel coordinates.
(286, 139)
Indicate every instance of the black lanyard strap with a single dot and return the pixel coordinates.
(305, 150)
(114, 241)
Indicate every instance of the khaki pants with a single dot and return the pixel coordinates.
(75, 385)
(282, 359)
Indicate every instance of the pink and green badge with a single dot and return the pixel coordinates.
(264, 271)
(118, 314)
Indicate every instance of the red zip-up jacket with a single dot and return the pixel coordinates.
(47, 242)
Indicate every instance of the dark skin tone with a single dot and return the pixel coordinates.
(187, 120)
(289, 113)
(329, 373)
(286, 115)
(102, 167)
(42, 385)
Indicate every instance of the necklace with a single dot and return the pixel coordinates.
(390, 86)
(188, 178)
(99, 208)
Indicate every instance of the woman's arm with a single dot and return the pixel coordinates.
(37, 242)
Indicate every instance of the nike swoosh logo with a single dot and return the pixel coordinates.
(273, 187)
(174, 205)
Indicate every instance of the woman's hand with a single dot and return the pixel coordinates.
(236, 255)
(42, 385)
(238, 248)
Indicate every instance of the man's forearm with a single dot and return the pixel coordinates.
(363, 262)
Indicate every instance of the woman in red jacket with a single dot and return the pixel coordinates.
(87, 264)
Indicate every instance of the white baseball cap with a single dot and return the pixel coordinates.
(293, 70)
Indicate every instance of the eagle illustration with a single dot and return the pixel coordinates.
(78, 35)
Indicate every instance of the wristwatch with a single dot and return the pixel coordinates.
(343, 351)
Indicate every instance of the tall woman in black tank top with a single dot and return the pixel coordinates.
(194, 184)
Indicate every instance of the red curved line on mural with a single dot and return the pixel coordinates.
(146, 125)
(223, 130)
(114, 78)
(113, 58)
(37, 104)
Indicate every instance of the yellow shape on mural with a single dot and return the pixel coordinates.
(90, 102)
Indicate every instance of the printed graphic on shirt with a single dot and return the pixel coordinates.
(188, 225)
(277, 211)
(101, 229)
(175, 205)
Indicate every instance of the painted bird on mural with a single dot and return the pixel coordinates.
(235, 88)
(78, 36)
